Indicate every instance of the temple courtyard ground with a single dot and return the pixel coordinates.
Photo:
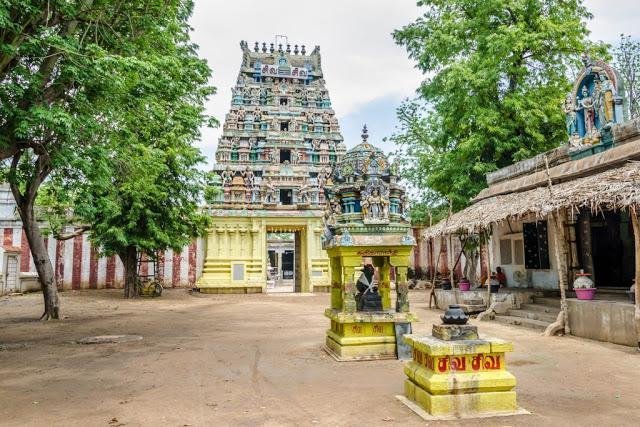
(256, 360)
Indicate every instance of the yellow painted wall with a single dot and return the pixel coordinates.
(243, 240)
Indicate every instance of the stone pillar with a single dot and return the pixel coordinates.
(225, 250)
(402, 290)
(348, 289)
(212, 244)
(237, 245)
(385, 283)
(336, 283)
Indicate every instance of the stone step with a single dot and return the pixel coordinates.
(551, 302)
(534, 315)
(538, 325)
(541, 308)
(473, 308)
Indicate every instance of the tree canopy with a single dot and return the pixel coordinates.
(496, 74)
(626, 58)
(96, 92)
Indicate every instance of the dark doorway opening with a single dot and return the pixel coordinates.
(613, 250)
(284, 101)
(285, 155)
(286, 196)
(288, 265)
(284, 126)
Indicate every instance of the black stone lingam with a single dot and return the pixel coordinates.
(371, 301)
(454, 316)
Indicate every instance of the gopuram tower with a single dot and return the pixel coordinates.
(279, 143)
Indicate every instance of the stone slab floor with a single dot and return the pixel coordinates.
(256, 360)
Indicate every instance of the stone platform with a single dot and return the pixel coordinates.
(460, 378)
(476, 300)
(363, 335)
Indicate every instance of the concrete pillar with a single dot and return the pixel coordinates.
(402, 289)
(212, 244)
(348, 289)
(336, 283)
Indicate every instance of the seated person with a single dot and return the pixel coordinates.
(501, 277)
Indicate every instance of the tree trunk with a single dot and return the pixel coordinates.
(129, 258)
(636, 238)
(24, 203)
(432, 292)
(489, 253)
(43, 266)
(471, 265)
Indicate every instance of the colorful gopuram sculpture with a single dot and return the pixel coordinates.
(595, 103)
(366, 229)
(279, 143)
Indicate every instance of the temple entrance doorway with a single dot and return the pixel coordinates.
(283, 262)
(610, 243)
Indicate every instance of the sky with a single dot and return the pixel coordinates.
(367, 74)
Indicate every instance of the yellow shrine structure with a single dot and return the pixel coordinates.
(279, 142)
(450, 378)
(366, 229)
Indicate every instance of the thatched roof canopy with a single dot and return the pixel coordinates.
(614, 189)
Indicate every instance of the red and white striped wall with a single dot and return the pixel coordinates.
(77, 265)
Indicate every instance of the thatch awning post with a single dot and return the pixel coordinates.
(560, 251)
(636, 238)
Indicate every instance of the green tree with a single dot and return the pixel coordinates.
(65, 81)
(496, 75)
(626, 58)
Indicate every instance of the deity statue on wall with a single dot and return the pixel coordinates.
(574, 140)
(303, 193)
(336, 208)
(227, 176)
(274, 155)
(364, 206)
(248, 176)
(255, 96)
(323, 176)
(597, 98)
(269, 191)
(606, 104)
(268, 96)
(570, 114)
(333, 124)
(404, 200)
(283, 87)
(374, 200)
(295, 156)
(246, 94)
(241, 114)
(586, 104)
(315, 144)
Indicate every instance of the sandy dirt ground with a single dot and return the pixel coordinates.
(257, 360)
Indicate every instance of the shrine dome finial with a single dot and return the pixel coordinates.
(363, 159)
(365, 134)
